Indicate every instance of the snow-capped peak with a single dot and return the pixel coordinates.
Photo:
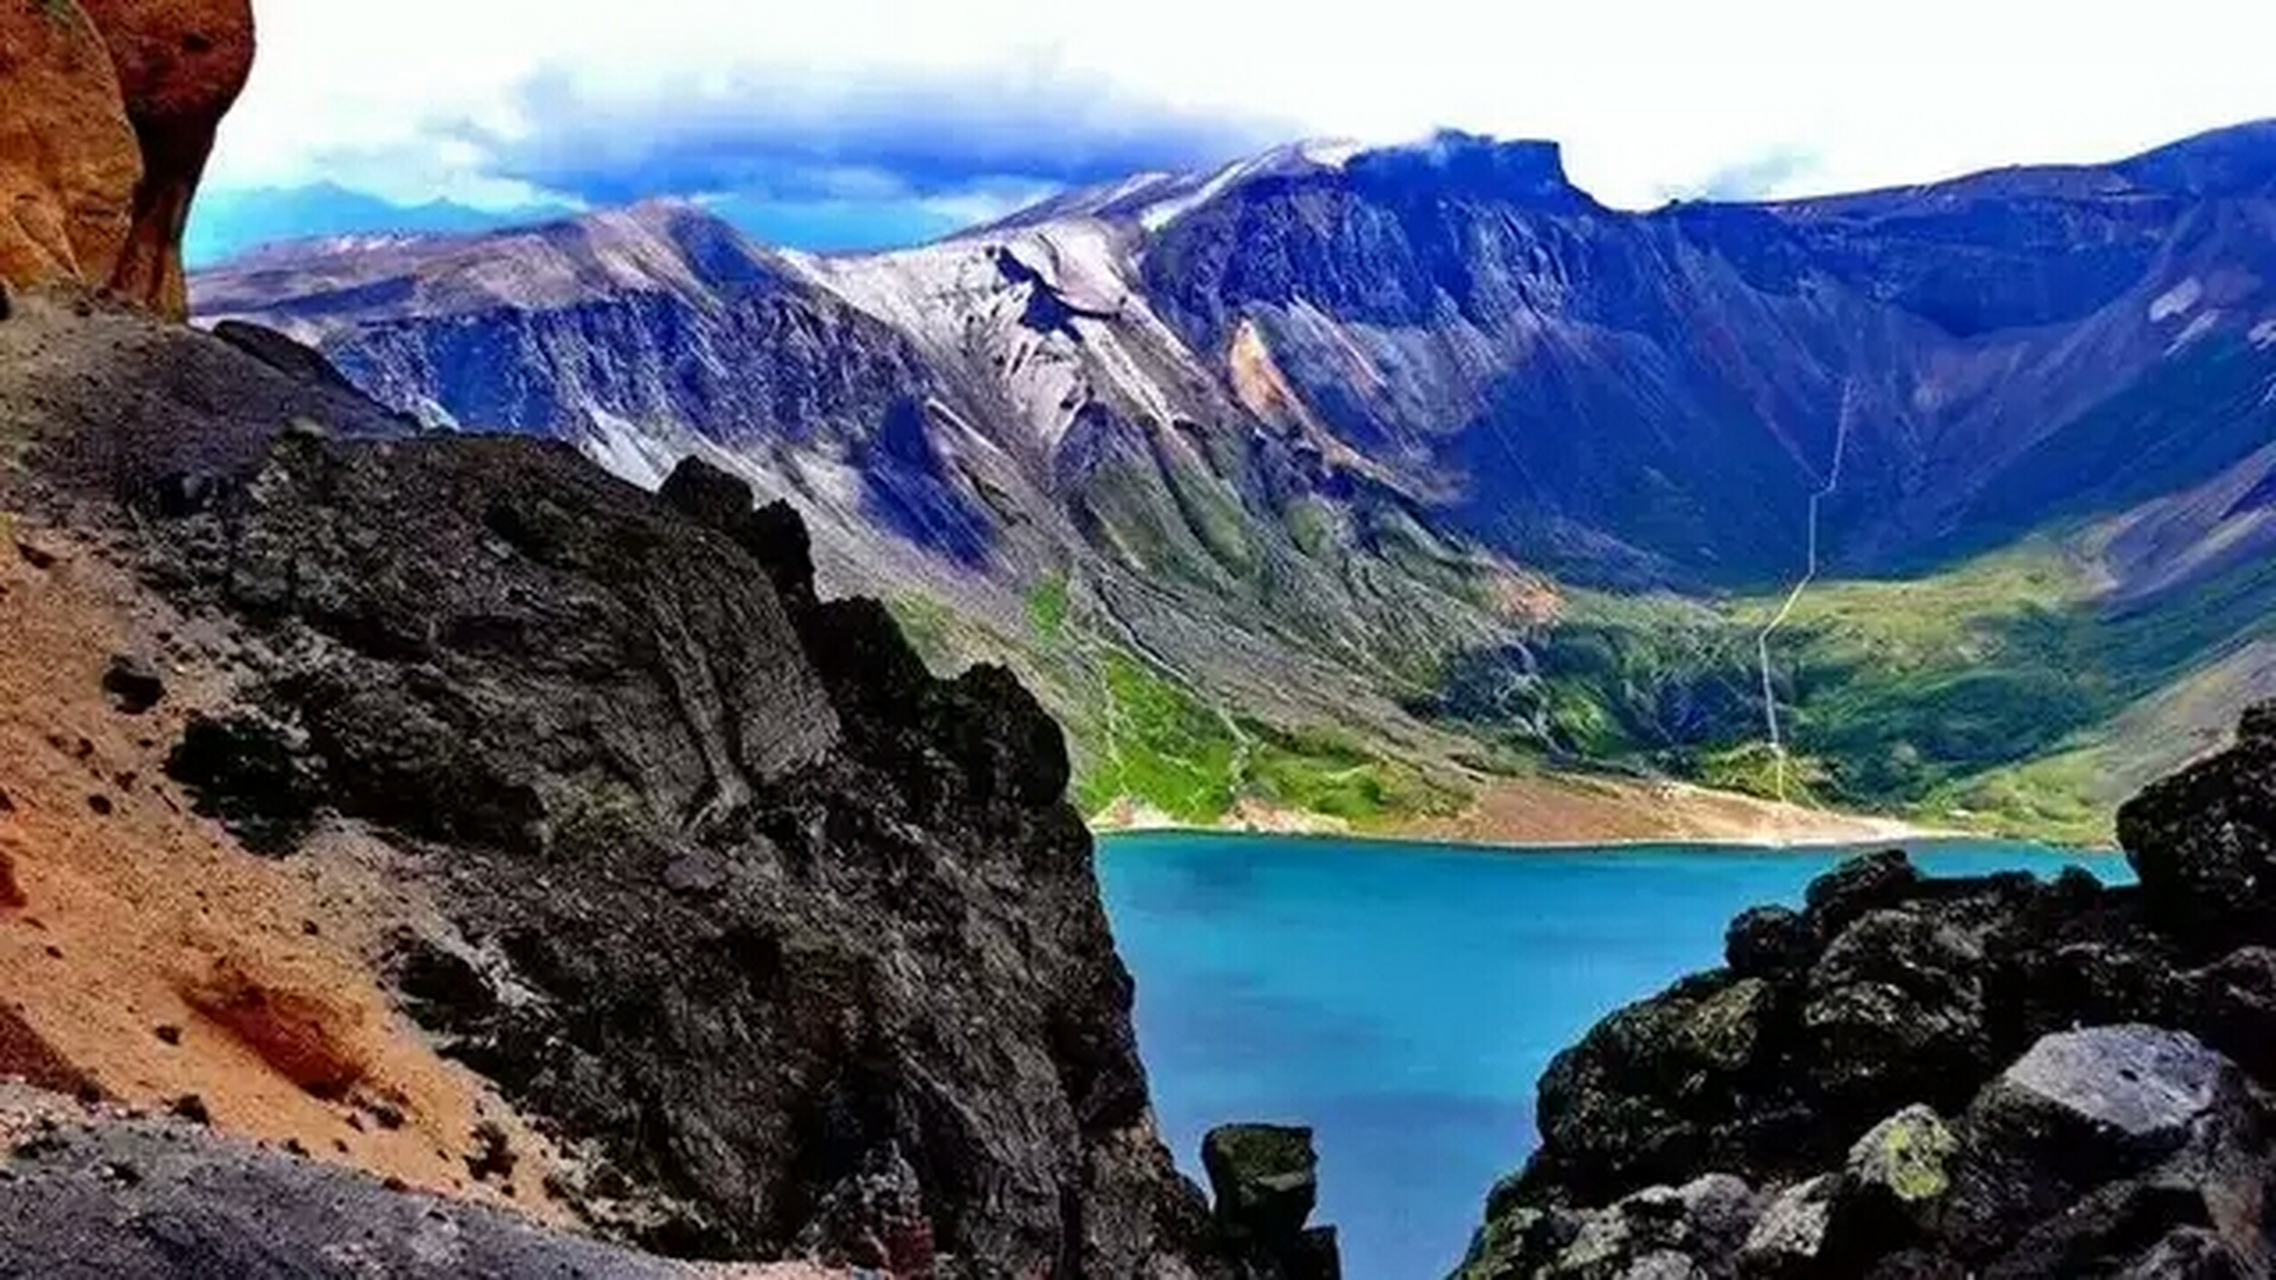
(1152, 201)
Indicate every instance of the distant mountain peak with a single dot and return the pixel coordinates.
(1448, 161)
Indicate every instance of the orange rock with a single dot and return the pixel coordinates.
(108, 116)
(181, 65)
(30, 1058)
(304, 1035)
(69, 162)
(11, 889)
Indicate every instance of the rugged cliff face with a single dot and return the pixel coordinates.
(796, 949)
(1917, 1077)
(110, 115)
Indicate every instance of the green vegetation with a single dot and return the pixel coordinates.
(1156, 743)
(1047, 608)
(1987, 694)
(1326, 771)
(926, 624)
(1161, 747)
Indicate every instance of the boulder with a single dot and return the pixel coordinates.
(1857, 886)
(2232, 1004)
(1265, 1179)
(2204, 843)
(2102, 1136)
(133, 684)
(1904, 1159)
(1692, 1230)
(2117, 1098)
(284, 354)
(1896, 1011)
(1787, 1239)
(1891, 1188)
(1769, 942)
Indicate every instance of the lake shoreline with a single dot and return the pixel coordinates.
(1563, 812)
(1641, 844)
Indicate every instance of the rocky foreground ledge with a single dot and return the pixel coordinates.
(790, 950)
(1915, 1077)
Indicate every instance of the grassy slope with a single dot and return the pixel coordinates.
(1998, 694)
(1142, 735)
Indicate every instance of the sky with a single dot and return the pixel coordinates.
(858, 123)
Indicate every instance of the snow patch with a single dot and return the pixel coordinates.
(2196, 328)
(1319, 153)
(2264, 334)
(2176, 300)
(1330, 153)
(627, 452)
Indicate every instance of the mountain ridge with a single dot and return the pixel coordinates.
(1359, 413)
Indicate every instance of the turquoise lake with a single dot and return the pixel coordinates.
(1402, 999)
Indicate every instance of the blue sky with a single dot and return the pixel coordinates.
(858, 123)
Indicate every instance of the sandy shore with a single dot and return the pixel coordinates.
(1570, 811)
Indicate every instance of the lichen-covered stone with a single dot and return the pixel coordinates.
(1906, 1157)
(1787, 1239)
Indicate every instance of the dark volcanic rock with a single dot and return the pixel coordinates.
(806, 943)
(303, 363)
(1266, 1181)
(1931, 1078)
(2098, 1139)
(133, 684)
(2204, 842)
(1265, 1178)
(253, 774)
(1768, 942)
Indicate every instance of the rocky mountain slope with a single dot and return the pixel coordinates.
(452, 791)
(1334, 438)
(1917, 1077)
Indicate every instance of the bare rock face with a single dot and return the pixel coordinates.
(69, 162)
(110, 115)
(181, 65)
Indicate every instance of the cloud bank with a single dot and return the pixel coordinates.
(889, 120)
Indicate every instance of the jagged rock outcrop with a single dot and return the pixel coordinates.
(799, 947)
(110, 116)
(1266, 1179)
(1923, 1077)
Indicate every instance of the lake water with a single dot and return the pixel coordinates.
(1403, 999)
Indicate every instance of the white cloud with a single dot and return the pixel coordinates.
(1647, 97)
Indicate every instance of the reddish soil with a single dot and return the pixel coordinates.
(143, 950)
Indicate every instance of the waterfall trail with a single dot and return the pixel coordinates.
(1794, 597)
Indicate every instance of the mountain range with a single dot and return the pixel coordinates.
(1398, 486)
